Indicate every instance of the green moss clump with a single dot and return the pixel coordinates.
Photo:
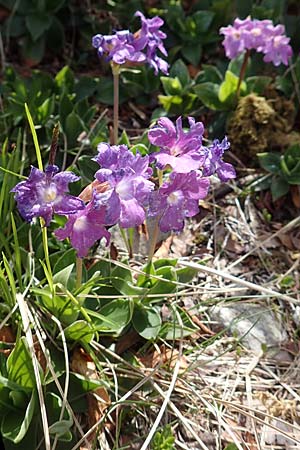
(259, 124)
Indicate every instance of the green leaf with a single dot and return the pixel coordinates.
(65, 79)
(55, 35)
(294, 176)
(45, 110)
(80, 331)
(163, 440)
(145, 280)
(85, 87)
(105, 91)
(11, 385)
(279, 188)
(208, 93)
(63, 275)
(180, 71)
(85, 111)
(172, 86)
(203, 20)
(270, 161)
(228, 88)
(292, 156)
(231, 447)
(66, 259)
(121, 279)
(19, 365)
(80, 383)
(54, 5)
(61, 428)
(243, 10)
(33, 51)
(185, 274)
(37, 24)
(285, 84)
(124, 139)
(235, 64)
(61, 307)
(15, 424)
(169, 101)
(192, 53)
(65, 108)
(73, 128)
(112, 317)
(19, 399)
(174, 330)
(258, 84)
(168, 284)
(165, 262)
(146, 321)
(87, 167)
(209, 74)
(16, 25)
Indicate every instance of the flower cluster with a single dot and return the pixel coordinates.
(123, 192)
(139, 47)
(191, 163)
(260, 35)
(128, 187)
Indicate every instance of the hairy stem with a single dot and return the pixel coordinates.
(156, 225)
(45, 246)
(116, 74)
(154, 239)
(126, 241)
(78, 272)
(242, 73)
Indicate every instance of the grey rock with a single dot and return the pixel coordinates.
(255, 325)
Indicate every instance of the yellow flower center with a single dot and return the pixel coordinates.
(256, 31)
(49, 194)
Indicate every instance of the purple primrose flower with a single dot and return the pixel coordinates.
(260, 35)
(85, 227)
(139, 47)
(181, 150)
(128, 191)
(119, 48)
(277, 49)
(115, 157)
(214, 162)
(44, 193)
(178, 198)
(151, 34)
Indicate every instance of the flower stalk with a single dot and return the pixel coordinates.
(116, 77)
(154, 237)
(242, 73)
(78, 272)
(45, 246)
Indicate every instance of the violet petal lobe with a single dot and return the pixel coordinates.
(44, 193)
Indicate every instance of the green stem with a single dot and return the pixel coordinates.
(78, 272)
(154, 239)
(156, 225)
(77, 303)
(45, 246)
(242, 73)
(126, 241)
(116, 74)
